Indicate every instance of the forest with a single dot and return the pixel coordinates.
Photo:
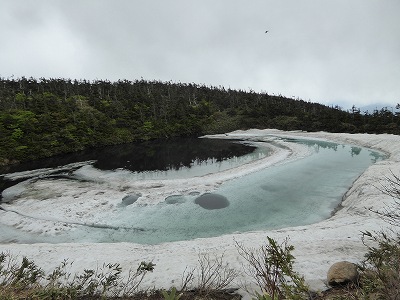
(45, 117)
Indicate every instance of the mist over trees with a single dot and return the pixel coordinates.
(44, 117)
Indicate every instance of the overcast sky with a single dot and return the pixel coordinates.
(333, 51)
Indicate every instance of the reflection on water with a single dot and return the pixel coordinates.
(160, 155)
(301, 192)
(170, 154)
(355, 151)
(160, 159)
(316, 144)
(376, 156)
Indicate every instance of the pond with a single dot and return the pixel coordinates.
(173, 158)
(300, 192)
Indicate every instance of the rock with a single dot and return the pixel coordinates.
(342, 273)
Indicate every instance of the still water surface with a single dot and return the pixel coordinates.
(297, 193)
(302, 192)
(159, 159)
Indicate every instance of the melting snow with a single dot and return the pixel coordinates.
(317, 246)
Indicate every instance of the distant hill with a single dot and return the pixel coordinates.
(378, 106)
(45, 117)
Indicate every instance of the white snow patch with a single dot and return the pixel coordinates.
(317, 246)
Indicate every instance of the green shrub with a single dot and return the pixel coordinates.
(271, 267)
(172, 296)
(381, 267)
(27, 281)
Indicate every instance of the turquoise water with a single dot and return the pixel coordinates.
(295, 193)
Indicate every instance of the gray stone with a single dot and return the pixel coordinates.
(342, 273)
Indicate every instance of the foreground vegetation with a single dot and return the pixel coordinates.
(44, 117)
(26, 280)
(270, 267)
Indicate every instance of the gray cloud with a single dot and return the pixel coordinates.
(333, 51)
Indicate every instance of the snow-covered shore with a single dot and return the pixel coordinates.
(317, 246)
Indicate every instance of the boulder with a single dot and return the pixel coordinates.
(342, 273)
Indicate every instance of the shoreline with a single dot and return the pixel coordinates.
(317, 246)
(300, 134)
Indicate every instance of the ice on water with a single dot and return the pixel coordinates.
(317, 246)
(91, 205)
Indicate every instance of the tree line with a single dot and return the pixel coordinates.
(45, 117)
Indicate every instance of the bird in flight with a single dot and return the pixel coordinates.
(266, 31)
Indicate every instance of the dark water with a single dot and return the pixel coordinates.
(294, 193)
(145, 156)
(158, 155)
(300, 192)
